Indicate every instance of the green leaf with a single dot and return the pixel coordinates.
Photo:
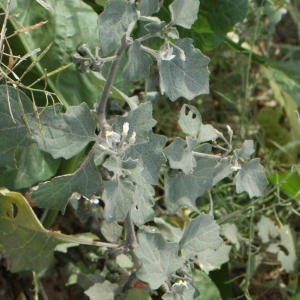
(13, 131)
(141, 210)
(190, 120)
(180, 157)
(181, 292)
(54, 194)
(201, 233)
(290, 185)
(118, 198)
(113, 23)
(111, 231)
(159, 258)
(150, 155)
(187, 78)
(138, 64)
(148, 7)
(103, 291)
(208, 290)
(140, 121)
(184, 12)
(222, 170)
(63, 135)
(210, 259)
(216, 18)
(26, 243)
(32, 166)
(251, 178)
(138, 294)
(68, 25)
(266, 228)
(182, 189)
(246, 151)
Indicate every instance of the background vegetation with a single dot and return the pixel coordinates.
(254, 68)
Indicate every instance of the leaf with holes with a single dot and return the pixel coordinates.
(187, 78)
(159, 258)
(26, 243)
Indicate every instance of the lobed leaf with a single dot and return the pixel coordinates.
(159, 258)
(246, 151)
(201, 233)
(138, 64)
(63, 135)
(113, 23)
(251, 178)
(182, 189)
(190, 120)
(187, 78)
(140, 121)
(184, 12)
(54, 194)
(104, 290)
(118, 198)
(148, 7)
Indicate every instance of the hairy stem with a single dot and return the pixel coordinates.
(101, 108)
(130, 232)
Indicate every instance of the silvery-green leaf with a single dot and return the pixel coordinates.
(111, 231)
(180, 157)
(251, 178)
(181, 292)
(148, 7)
(170, 233)
(266, 228)
(172, 32)
(140, 121)
(118, 198)
(63, 135)
(156, 28)
(230, 231)
(159, 258)
(190, 120)
(184, 12)
(210, 259)
(104, 291)
(222, 170)
(150, 155)
(182, 189)
(141, 210)
(207, 133)
(200, 234)
(138, 64)
(113, 164)
(113, 23)
(246, 151)
(54, 194)
(187, 78)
